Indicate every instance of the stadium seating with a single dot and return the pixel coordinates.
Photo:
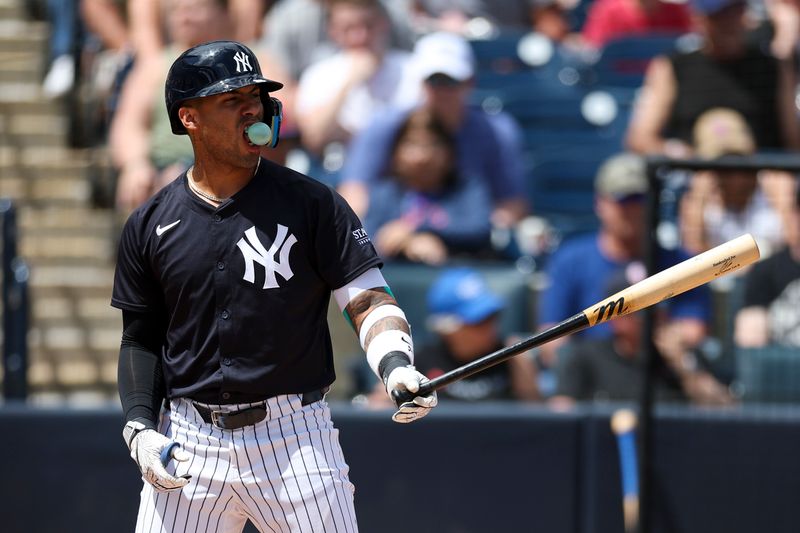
(410, 284)
(623, 61)
(769, 374)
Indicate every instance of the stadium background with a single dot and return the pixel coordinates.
(496, 467)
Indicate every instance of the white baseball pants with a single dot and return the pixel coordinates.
(285, 474)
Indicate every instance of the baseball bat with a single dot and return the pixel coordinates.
(623, 424)
(689, 274)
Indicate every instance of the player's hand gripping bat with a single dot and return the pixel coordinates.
(693, 272)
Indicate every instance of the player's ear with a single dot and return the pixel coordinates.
(188, 117)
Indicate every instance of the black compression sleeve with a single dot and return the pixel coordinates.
(139, 375)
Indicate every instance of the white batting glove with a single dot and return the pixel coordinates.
(151, 451)
(407, 378)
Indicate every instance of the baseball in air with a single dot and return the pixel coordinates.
(259, 133)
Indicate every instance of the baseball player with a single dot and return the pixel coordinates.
(223, 279)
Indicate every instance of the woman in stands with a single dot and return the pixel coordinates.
(423, 211)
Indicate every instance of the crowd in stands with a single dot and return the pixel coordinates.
(447, 142)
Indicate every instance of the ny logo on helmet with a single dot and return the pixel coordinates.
(242, 62)
(254, 252)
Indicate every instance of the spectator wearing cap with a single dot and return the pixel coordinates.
(579, 270)
(723, 204)
(488, 147)
(727, 71)
(611, 368)
(464, 313)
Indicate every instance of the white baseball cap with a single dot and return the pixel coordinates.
(444, 53)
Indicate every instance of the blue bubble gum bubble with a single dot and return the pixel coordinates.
(259, 133)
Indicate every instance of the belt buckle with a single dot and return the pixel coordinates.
(218, 419)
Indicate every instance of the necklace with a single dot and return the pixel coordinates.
(198, 192)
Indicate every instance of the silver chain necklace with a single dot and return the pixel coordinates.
(198, 192)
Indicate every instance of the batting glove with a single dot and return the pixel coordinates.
(407, 378)
(151, 451)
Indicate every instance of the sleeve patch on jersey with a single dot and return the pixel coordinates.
(361, 236)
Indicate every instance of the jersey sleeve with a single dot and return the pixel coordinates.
(343, 247)
(135, 287)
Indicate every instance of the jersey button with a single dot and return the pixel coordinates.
(226, 395)
(225, 314)
(220, 265)
(217, 218)
(226, 361)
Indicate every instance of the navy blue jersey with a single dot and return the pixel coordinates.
(244, 287)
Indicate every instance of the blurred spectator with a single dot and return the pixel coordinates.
(150, 38)
(425, 211)
(338, 95)
(579, 270)
(295, 32)
(725, 72)
(65, 30)
(488, 146)
(610, 19)
(770, 310)
(141, 142)
(611, 368)
(552, 19)
(723, 204)
(464, 313)
(473, 18)
(781, 29)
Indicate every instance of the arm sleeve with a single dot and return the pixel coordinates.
(139, 374)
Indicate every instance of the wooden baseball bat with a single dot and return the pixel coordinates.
(693, 272)
(623, 424)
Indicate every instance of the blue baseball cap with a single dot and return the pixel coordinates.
(461, 296)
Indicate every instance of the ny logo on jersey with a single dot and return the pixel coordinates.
(242, 62)
(254, 252)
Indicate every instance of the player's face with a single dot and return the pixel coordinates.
(222, 120)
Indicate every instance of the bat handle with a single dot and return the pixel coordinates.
(403, 396)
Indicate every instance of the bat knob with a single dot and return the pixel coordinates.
(402, 396)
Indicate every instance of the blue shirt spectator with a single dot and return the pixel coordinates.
(487, 146)
(579, 272)
(424, 209)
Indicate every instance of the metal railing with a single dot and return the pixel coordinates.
(657, 166)
(16, 308)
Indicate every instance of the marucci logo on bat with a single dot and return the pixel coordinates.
(617, 305)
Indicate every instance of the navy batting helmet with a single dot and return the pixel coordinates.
(213, 68)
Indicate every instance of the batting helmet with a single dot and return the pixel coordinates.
(213, 68)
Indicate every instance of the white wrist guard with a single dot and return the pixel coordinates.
(389, 342)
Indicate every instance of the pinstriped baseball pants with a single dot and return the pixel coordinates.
(285, 474)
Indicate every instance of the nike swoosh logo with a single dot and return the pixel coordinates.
(160, 231)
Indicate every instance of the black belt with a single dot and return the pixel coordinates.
(250, 415)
